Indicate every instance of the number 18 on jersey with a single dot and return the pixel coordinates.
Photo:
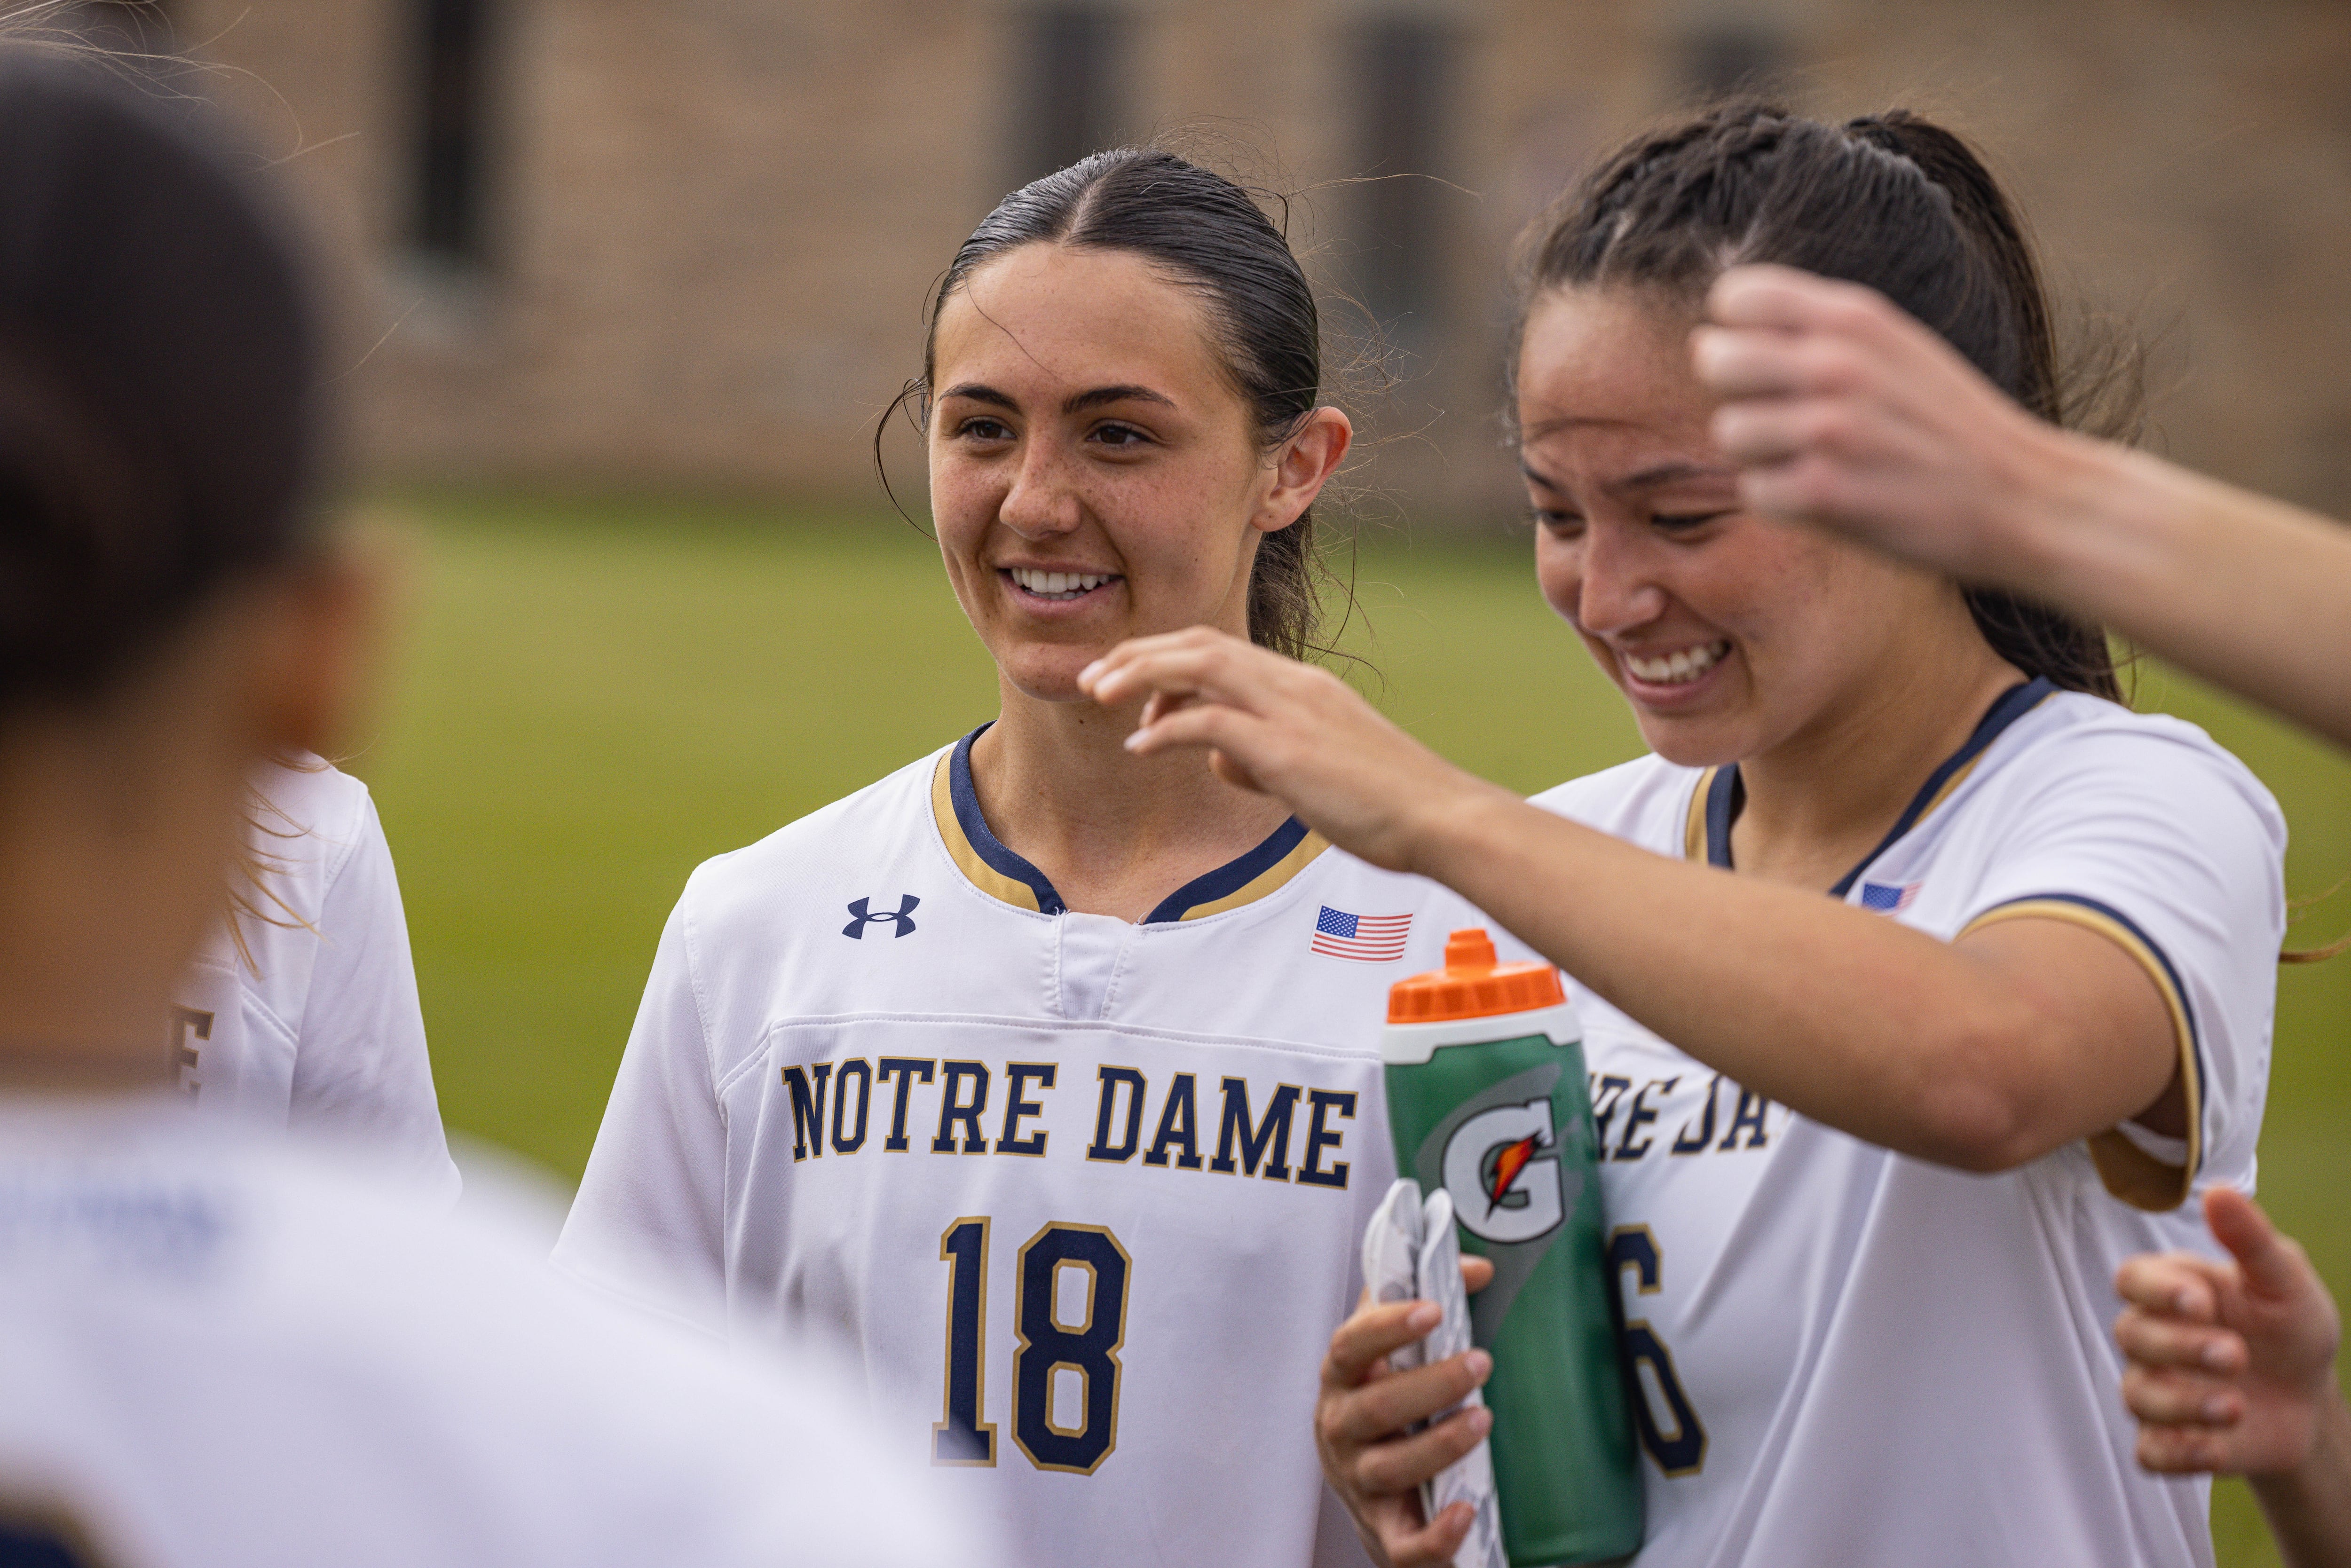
(1486, 1098)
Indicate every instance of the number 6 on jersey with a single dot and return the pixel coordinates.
(1088, 1349)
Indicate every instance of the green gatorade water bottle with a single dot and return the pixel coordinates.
(1487, 1100)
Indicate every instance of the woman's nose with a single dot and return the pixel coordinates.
(1041, 502)
(1615, 589)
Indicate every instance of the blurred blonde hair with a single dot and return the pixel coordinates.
(249, 893)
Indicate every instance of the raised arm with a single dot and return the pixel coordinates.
(1848, 414)
(1983, 1053)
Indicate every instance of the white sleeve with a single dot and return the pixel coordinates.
(647, 1223)
(2169, 848)
(359, 1061)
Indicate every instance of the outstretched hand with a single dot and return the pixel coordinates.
(1362, 1415)
(1844, 411)
(1292, 730)
(2232, 1365)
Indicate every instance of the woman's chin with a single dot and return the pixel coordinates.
(1052, 679)
(1693, 740)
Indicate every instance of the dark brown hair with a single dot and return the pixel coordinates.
(158, 371)
(1207, 235)
(1890, 201)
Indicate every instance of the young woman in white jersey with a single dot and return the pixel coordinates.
(1039, 1078)
(1871, 1159)
(223, 1348)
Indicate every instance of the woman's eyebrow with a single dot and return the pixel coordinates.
(976, 392)
(1672, 473)
(1078, 401)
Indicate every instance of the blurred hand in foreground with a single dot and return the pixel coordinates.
(1294, 731)
(2231, 1363)
(2231, 1369)
(1845, 412)
(1361, 1420)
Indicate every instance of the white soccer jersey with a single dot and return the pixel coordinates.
(1847, 1355)
(227, 1353)
(315, 1024)
(1083, 1196)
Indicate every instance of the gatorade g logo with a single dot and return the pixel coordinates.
(1501, 1167)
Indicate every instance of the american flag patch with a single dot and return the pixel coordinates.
(1888, 898)
(1371, 938)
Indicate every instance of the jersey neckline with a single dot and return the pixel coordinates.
(1718, 796)
(1006, 877)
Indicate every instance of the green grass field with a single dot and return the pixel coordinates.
(589, 700)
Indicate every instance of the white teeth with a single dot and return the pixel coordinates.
(1057, 584)
(1679, 668)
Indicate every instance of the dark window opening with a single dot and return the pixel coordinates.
(1071, 60)
(1402, 79)
(447, 217)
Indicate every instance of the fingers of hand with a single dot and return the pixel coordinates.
(1373, 1412)
(2182, 1451)
(2171, 1398)
(1373, 1333)
(1406, 1462)
(1753, 365)
(1434, 1544)
(2275, 1265)
(2171, 1284)
(1782, 429)
(1766, 295)
(1191, 661)
(1233, 773)
(1210, 724)
(1476, 1273)
(2154, 1340)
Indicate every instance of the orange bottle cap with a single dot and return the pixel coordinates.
(1473, 986)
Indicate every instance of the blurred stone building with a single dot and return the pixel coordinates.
(645, 244)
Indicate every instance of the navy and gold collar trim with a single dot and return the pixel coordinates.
(1004, 875)
(1715, 803)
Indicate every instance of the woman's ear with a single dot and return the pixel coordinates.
(1304, 465)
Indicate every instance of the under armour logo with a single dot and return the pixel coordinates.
(904, 915)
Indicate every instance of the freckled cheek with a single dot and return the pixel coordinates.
(963, 504)
(1168, 539)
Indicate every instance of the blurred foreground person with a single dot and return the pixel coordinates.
(221, 1349)
(301, 1008)
(1848, 414)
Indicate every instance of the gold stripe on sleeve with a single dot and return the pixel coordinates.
(2129, 1172)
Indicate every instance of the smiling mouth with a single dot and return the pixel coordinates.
(1679, 669)
(1057, 586)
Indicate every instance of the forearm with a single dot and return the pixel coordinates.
(2309, 1507)
(1890, 1035)
(2249, 593)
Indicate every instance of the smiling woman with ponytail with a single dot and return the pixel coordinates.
(1873, 1157)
